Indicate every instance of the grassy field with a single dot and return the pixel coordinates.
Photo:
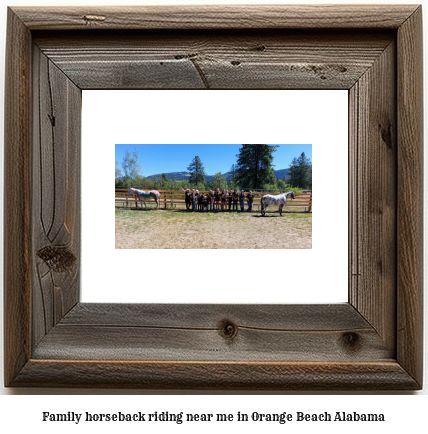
(181, 229)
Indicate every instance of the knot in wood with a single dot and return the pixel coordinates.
(351, 340)
(228, 330)
(58, 259)
(386, 134)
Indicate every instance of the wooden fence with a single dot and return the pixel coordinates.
(172, 198)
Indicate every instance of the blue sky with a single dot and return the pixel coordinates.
(157, 159)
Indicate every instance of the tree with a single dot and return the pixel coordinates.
(233, 173)
(280, 185)
(254, 167)
(300, 172)
(197, 171)
(130, 165)
(118, 173)
(219, 181)
(147, 184)
(232, 183)
(163, 180)
(118, 176)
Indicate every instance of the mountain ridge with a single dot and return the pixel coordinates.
(183, 176)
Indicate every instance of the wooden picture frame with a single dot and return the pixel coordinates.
(372, 342)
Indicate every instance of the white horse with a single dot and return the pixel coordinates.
(141, 195)
(279, 199)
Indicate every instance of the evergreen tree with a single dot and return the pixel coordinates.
(219, 181)
(232, 173)
(232, 183)
(254, 167)
(163, 180)
(292, 173)
(300, 172)
(197, 171)
(156, 184)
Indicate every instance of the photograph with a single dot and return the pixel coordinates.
(213, 196)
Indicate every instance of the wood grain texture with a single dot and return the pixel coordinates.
(385, 375)
(374, 342)
(56, 194)
(216, 17)
(373, 204)
(216, 60)
(410, 192)
(17, 199)
(199, 332)
(341, 317)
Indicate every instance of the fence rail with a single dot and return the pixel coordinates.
(170, 198)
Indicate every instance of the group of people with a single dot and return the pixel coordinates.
(216, 200)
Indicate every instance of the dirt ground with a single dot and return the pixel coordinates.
(181, 229)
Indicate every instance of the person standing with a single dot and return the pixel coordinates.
(235, 200)
(217, 196)
(205, 202)
(194, 200)
(211, 199)
(242, 200)
(230, 197)
(201, 202)
(187, 197)
(223, 199)
(198, 200)
(250, 199)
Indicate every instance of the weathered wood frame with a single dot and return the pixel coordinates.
(372, 342)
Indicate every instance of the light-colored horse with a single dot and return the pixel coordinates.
(279, 199)
(141, 195)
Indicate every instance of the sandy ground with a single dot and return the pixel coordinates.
(180, 229)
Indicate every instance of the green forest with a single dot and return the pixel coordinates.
(253, 170)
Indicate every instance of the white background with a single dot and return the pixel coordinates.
(405, 413)
(317, 275)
